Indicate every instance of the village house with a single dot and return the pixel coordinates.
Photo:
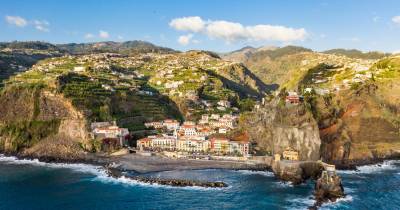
(159, 142)
(224, 103)
(144, 143)
(79, 69)
(155, 124)
(193, 145)
(188, 130)
(293, 98)
(103, 130)
(171, 124)
(204, 130)
(220, 145)
(204, 119)
(164, 142)
(239, 147)
(290, 154)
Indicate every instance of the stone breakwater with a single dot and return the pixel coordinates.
(116, 173)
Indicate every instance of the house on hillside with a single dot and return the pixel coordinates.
(290, 154)
(79, 69)
(293, 98)
(105, 130)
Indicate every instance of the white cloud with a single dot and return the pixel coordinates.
(227, 31)
(120, 37)
(231, 31)
(185, 39)
(16, 20)
(41, 25)
(376, 19)
(193, 24)
(276, 33)
(396, 20)
(104, 34)
(89, 36)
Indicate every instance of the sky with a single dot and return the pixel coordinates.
(216, 25)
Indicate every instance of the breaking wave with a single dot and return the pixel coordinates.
(367, 169)
(79, 167)
(263, 173)
(338, 202)
(98, 171)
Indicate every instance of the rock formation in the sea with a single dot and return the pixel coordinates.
(328, 188)
(297, 172)
(275, 127)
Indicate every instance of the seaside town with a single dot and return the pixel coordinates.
(199, 105)
(199, 140)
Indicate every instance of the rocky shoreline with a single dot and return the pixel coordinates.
(353, 164)
(116, 173)
(287, 172)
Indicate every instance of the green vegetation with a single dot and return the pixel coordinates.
(246, 104)
(321, 72)
(357, 54)
(129, 47)
(86, 95)
(280, 52)
(27, 133)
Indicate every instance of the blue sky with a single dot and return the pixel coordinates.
(218, 25)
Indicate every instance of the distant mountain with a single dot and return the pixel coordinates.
(33, 45)
(243, 54)
(114, 47)
(17, 57)
(353, 53)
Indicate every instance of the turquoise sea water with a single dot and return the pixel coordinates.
(34, 185)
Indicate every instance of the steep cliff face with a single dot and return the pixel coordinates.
(275, 128)
(366, 130)
(37, 122)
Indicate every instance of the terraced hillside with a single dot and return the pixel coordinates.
(355, 101)
(54, 102)
(357, 109)
(14, 61)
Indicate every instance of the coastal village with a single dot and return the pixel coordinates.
(187, 140)
(209, 120)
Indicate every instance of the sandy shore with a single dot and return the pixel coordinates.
(144, 164)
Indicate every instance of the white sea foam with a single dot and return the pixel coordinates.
(79, 167)
(130, 182)
(98, 171)
(284, 184)
(263, 173)
(348, 190)
(367, 169)
(346, 199)
(301, 203)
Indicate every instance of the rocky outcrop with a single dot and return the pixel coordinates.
(274, 128)
(366, 131)
(296, 172)
(37, 122)
(328, 188)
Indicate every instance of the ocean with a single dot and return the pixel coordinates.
(33, 185)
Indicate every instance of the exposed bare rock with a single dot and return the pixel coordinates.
(275, 128)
